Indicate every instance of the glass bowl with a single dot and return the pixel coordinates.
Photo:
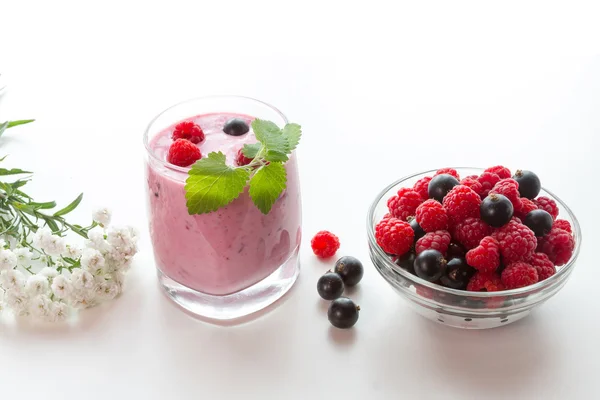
(458, 308)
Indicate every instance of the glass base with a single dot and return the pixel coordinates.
(235, 305)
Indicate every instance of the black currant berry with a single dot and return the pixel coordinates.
(419, 232)
(407, 262)
(350, 269)
(330, 286)
(457, 275)
(236, 127)
(496, 210)
(343, 313)
(430, 265)
(529, 184)
(539, 221)
(455, 250)
(440, 185)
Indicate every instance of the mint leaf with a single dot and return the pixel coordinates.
(212, 184)
(276, 156)
(272, 138)
(267, 185)
(292, 133)
(251, 150)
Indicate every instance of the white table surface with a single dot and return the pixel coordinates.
(380, 92)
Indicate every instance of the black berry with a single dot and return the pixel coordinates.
(407, 262)
(529, 184)
(343, 313)
(496, 210)
(440, 185)
(350, 269)
(236, 127)
(455, 250)
(330, 286)
(457, 275)
(430, 265)
(539, 221)
(419, 232)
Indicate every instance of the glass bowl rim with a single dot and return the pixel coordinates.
(562, 271)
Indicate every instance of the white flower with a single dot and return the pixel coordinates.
(62, 287)
(50, 272)
(2, 243)
(12, 279)
(55, 245)
(8, 260)
(41, 237)
(17, 301)
(72, 251)
(83, 298)
(102, 216)
(59, 311)
(96, 239)
(1, 300)
(37, 285)
(106, 290)
(120, 237)
(93, 261)
(39, 306)
(23, 256)
(82, 279)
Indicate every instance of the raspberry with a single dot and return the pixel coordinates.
(519, 274)
(473, 183)
(394, 236)
(470, 232)
(548, 205)
(517, 242)
(558, 245)
(183, 153)
(448, 171)
(486, 256)
(527, 206)
(487, 180)
(422, 187)
(563, 224)
(431, 216)
(241, 159)
(404, 204)
(485, 282)
(188, 130)
(509, 188)
(499, 170)
(545, 268)
(438, 240)
(325, 244)
(462, 202)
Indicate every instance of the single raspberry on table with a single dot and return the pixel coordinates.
(510, 189)
(545, 268)
(394, 236)
(519, 274)
(325, 244)
(438, 240)
(431, 216)
(517, 242)
(241, 159)
(404, 204)
(422, 187)
(486, 256)
(499, 170)
(487, 180)
(473, 183)
(547, 204)
(448, 171)
(188, 130)
(183, 153)
(558, 245)
(527, 206)
(563, 224)
(470, 232)
(485, 282)
(462, 202)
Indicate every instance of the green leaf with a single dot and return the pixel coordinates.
(45, 206)
(3, 127)
(270, 136)
(51, 224)
(276, 156)
(19, 183)
(251, 150)
(212, 184)
(292, 133)
(267, 185)
(14, 171)
(19, 122)
(3, 158)
(73, 205)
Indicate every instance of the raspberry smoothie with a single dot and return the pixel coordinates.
(232, 248)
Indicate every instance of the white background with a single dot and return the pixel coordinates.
(381, 92)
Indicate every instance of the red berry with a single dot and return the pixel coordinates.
(487, 180)
(558, 245)
(394, 236)
(448, 171)
(519, 274)
(563, 224)
(438, 240)
(517, 242)
(325, 244)
(527, 206)
(431, 216)
(486, 256)
(183, 153)
(548, 205)
(404, 204)
(510, 189)
(462, 202)
(422, 187)
(485, 282)
(545, 268)
(473, 183)
(241, 159)
(470, 232)
(188, 130)
(499, 170)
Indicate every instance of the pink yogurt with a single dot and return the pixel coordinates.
(232, 248)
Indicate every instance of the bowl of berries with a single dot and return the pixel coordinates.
(473, 248)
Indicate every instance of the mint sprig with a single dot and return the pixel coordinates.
(212, 184)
